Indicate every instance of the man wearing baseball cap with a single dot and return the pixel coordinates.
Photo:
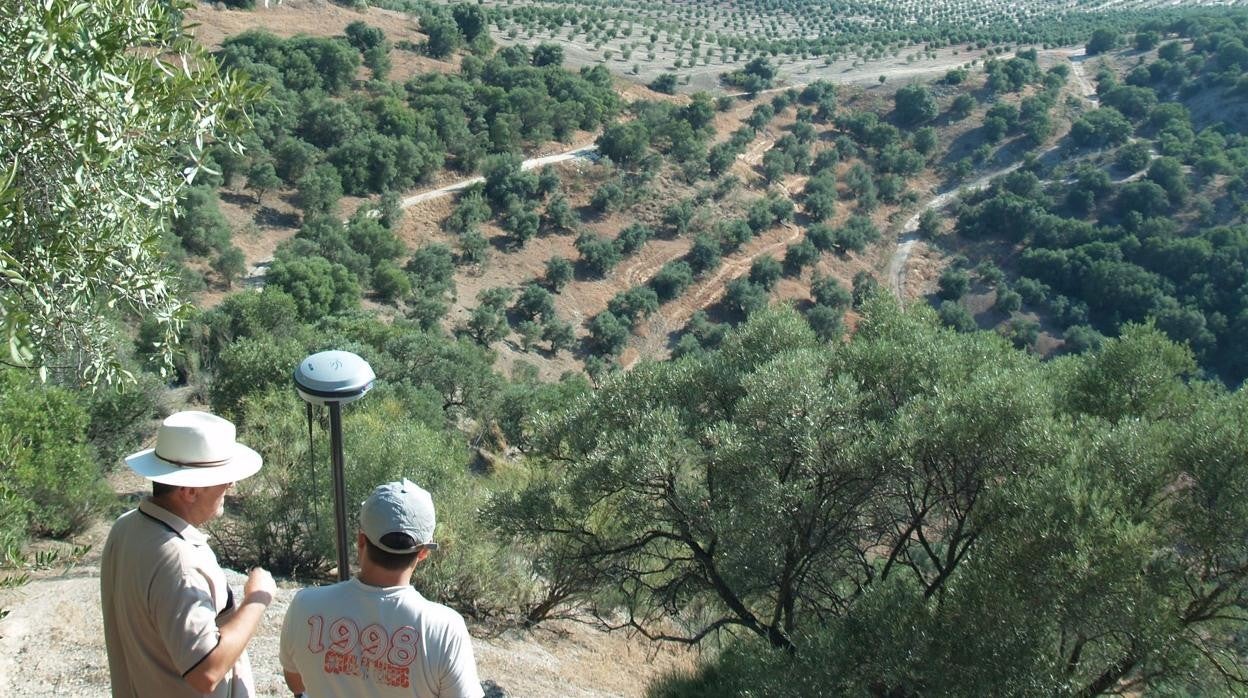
(374, 635)
(172, 626)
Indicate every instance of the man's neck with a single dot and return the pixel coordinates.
(380, 577)
(171, 505)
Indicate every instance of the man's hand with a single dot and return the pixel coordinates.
(260, 587)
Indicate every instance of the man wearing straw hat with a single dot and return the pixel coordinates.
(172, 626)
(374, 635)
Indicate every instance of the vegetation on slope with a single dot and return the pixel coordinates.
(1144, 218)
(875, 513)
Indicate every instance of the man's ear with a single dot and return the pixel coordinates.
(422, 554)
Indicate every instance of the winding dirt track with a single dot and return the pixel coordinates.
(908, 236)
(583, 152)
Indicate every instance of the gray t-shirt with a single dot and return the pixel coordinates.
(351, 639)
(162, 593)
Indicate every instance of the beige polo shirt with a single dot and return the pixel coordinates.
(162, 594)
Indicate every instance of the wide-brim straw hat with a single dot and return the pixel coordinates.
(195, 449)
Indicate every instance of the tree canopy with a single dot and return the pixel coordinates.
(97, 138)
(900, 507)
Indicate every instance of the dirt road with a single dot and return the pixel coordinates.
(583, 152)
(1077, 58)
(908, 237)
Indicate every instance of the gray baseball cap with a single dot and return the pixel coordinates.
(399, 507)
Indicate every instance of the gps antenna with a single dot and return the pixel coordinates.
(334, 378)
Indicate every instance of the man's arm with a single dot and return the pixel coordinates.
(460, 679)
(235, 633)
(294, 682)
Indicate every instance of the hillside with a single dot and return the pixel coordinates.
(862, 349)
(504, 265)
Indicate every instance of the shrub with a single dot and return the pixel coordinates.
(704, 255)
(955, 315)
(820, 197)
(672, 280)
(250, 366)
(665, 83)
(319, 287)
(473, 247)
(1022, 332)
(558, 273)
(827, 291)
(1032, 291)
(856, 234)
(961, 106)
(49, 483)
(989, 273)
(633, 238)
(1081, 338)
(765, 272)
(744, 297)
(201, 226)
(678, 216)
(759, 216)
(230, 264)
(1008, 300)
(558, 216)
(369, 237)
(953, 283)
(955, 76)
(390, 282)
(798, 256)
(733, 234)
(487, 323)
(560, 335)
(826, 322)
(1099, 128)
(624, 143)
(865, 287)
(533, 302)
(470, 210)
(432, 267)
(822, 236)
(635, 304)
(319, 190)
(530, 333)
(609, 197)
(521, 223)
(914, 105)
(607, 335)
(598, 254)
(548, 54)
(929, 224)
(285, 520)
(1102, 40)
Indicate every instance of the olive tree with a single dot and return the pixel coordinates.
(899, 507)
(105, 108)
